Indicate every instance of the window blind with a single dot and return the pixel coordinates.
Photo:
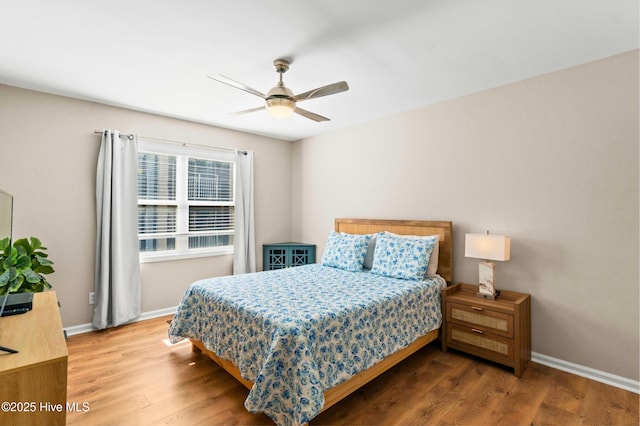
(156, 176)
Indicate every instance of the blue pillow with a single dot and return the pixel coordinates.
(345, 251)
(401, 257)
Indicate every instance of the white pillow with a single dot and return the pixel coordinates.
(368, 259)
(432, 269)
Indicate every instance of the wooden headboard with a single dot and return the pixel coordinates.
(407, 227)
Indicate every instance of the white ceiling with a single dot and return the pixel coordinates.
(154, 55)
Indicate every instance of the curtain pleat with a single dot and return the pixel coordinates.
(244, 247)
(117, 279)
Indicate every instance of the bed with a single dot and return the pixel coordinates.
(303, 338)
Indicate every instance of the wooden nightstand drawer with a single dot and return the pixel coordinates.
(477, 342)
(478, 317)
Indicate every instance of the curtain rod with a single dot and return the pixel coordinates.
(130, 137)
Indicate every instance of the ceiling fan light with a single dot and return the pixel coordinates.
(281, 108)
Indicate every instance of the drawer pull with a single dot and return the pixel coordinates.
(475, 330)
(475, 308)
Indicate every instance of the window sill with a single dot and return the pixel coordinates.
(162, 257)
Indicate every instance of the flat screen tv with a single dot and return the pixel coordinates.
(6, 221)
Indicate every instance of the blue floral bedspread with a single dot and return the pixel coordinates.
(297, 332)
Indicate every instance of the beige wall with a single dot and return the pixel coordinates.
(48, 156)
(551, 161)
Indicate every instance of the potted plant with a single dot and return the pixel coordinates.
(23, 266)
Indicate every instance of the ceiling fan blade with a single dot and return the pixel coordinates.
(233, 83)
(310, 115)
(323, 91)
(247, 111)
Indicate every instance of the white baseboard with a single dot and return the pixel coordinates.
(589, 373)
(558, 364)
(85, 328)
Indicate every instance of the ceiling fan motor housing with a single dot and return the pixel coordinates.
(280, 91)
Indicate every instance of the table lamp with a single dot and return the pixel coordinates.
(487, 247)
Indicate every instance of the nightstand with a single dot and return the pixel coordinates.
(286, 255)
(498, 330)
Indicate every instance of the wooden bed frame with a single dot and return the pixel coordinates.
(370, 226)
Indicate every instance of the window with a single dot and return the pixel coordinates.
(185, 202)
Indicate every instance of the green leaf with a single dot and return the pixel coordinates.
(21, 251)
(31, 276)
(9, 262)
(13, 274)
(16, 284)
(44, 269)
(24, 244)
(23, 262)
(4, 243)
(35, 243)
(4, 278)
(43, 260)
(45, 282)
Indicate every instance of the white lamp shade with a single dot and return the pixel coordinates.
(489, 247)
(280, 108)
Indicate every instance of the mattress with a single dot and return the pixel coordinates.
(297, 332)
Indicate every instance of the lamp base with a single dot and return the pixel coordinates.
(488, 296)
(486, 288)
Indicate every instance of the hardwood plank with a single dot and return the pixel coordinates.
(419, 398)
(523, 398)
(131, 376)
(604, 405)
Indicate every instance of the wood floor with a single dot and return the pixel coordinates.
(132, 376)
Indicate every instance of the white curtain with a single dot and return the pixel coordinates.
(244, 247)
(117, 283)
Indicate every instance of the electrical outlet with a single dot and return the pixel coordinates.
(92, 297)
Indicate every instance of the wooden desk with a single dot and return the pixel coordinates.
(33, 382)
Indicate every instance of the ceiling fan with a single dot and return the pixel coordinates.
(280, 101)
